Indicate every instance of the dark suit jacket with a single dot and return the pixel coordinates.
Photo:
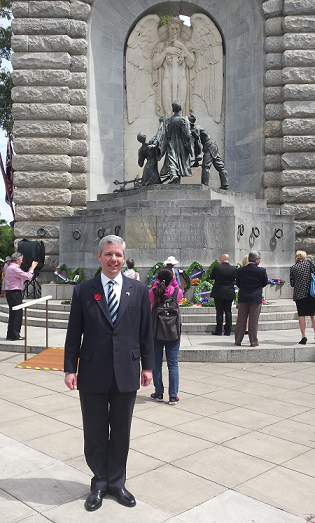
(250, 280)
(224, 276)
(105, 350)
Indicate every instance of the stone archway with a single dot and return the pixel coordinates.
(241, 24)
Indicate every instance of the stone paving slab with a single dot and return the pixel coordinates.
(235, 507)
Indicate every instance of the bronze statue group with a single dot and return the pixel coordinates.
(183, 144)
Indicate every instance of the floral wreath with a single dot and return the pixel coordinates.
(62, 267)
(187, 280)
(206, 275)
(77, 272)
(152, 271)
(200, 297)
(192, 266)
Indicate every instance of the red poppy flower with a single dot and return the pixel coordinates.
(97, 297)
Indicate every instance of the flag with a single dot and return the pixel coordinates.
(9, 174)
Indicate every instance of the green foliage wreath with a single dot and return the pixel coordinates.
(153, 269)
(206, 275)
(62, 267)
(194, 265)
(78, 271)
(187, 280)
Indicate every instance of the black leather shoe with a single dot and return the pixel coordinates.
(216, 333)
(123, 496)
(94, 500)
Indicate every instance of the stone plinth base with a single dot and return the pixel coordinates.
(278, 291)
(61, 291)
(190, 222)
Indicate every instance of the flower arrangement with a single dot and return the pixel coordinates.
(184, 303)
(205, 302)
(203, 290)
(195, 281)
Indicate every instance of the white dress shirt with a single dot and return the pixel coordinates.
(117, 286)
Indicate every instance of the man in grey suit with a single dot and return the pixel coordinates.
(250, 280)
(110, 332)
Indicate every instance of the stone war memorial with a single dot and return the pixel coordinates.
(94, 82)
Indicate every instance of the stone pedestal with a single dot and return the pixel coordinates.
(61, 291)
(190, 222)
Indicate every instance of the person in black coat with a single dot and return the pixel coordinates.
(250, 280)
(110, 332)
(223, 293)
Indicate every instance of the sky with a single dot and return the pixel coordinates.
(5, 209)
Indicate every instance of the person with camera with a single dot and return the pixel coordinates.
(15, 279)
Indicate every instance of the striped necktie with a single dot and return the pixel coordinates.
(112, 301)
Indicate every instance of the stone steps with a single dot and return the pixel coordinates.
(267, 317)
(199, 328)
(195, 319)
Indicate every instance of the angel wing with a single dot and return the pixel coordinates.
(139, 64)
(208, 80)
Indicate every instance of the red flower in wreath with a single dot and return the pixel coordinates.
(97, 297)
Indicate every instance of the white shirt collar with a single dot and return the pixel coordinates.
(117, 280)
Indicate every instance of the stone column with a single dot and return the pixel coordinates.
(273, 98)
(50, 113)
(298, 158)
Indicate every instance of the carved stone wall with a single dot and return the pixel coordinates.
(289, 177)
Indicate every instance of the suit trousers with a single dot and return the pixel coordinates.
(106, 426)
(252, 311)
(223, 306)
(15, 317)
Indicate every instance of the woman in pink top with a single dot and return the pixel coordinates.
(164, 287)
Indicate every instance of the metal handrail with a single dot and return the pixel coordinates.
(24, 306)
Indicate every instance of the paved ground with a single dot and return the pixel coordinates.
(238, 448)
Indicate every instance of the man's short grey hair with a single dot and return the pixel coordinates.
(254, 255)
(15, 256)
(111, 238)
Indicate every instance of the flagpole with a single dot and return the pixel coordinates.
(6, 186)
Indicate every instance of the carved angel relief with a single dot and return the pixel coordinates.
(174, 62)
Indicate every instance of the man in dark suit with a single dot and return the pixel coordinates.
(110, 332)
(223, 293)
(250, 280)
